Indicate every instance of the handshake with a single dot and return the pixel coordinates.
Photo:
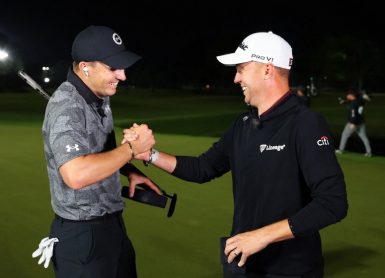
(140, 140)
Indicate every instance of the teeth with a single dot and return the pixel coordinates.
(244, 89)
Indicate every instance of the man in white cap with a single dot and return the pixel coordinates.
(84, 164)
(287, 183)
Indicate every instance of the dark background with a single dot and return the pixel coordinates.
(338, 45)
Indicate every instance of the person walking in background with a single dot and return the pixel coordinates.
(287, 183)
(84, 164)
(356, 122)
(300, 92)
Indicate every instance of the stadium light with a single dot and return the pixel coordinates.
(46, 74)
(3, 55)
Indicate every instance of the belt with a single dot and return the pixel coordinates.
(104, 217)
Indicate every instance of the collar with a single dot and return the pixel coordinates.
(83, 90)
(277, 103)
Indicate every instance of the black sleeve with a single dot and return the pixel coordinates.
(211, 164)
(323, 177)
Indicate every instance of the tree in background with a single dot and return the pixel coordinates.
(349, 62)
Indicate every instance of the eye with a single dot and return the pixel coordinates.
(108, 67)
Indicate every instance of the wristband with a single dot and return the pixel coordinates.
(132, 150)
(154, 155)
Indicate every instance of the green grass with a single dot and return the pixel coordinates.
(186, 245)
(354, 247)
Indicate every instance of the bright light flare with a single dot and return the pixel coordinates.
(3, 54)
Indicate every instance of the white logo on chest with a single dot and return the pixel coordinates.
(265, 147)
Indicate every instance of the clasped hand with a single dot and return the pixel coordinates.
(141, 138)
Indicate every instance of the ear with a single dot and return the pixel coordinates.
(269, 70)
(84, 68)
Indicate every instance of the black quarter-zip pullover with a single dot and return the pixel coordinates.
(282, 168)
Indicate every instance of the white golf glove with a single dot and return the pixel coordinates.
(45, 250)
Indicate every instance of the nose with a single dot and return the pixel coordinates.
(237, 78)
(120, 74)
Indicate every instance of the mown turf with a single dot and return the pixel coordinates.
(185, 245)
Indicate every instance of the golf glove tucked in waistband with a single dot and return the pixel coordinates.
(45, 250)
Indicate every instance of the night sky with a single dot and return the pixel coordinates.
(181, 39)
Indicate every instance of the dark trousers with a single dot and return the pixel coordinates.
(228, 272)
(93, 249)
(233, 271)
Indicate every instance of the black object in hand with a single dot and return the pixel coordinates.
(145, 195)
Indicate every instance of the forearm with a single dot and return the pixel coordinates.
(319, 213)
(88, 169)
(277, 231)
(187, 168)
(252, 242)
(166, 162)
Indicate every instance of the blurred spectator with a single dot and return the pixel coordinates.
(311, 87)
(365, 95)
(304, 99)
(356, 121)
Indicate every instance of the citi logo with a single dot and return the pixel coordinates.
(265, 147)
(323, 141)
(243, 46)
(74, 147)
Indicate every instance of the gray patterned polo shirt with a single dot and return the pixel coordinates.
(73, 127)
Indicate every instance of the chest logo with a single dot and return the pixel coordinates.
(107, 109)
(277, 148)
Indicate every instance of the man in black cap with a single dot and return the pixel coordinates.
(84, 164)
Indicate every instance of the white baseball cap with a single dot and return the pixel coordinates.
(263, 47)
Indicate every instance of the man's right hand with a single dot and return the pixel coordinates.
(145, 139)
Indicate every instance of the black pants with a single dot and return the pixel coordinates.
(228, 272)
(93, 249)
(233, 271)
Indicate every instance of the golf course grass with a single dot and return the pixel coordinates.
(187, 244)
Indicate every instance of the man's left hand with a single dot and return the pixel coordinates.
(244, 245)
(249, 243)
(136, 179)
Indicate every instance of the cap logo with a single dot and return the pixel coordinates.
(117, 39)
(263, 58)
(291, 62)
(243, 46)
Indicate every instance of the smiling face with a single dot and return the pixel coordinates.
(250, 76)
(100, 78)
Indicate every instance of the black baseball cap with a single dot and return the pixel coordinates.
(101, 43)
